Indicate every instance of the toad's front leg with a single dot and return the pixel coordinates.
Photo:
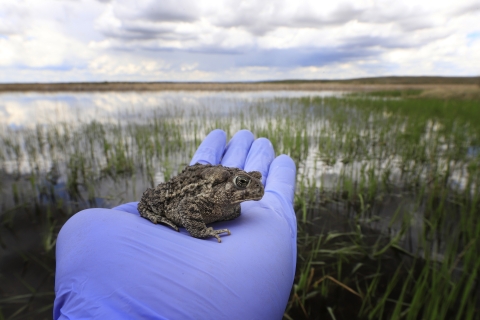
(193, 221)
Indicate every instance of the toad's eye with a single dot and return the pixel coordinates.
(241, 182)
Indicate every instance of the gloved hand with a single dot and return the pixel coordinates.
(114, 264)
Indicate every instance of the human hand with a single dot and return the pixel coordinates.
(113, 264)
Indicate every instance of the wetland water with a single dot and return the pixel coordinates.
(366, 165)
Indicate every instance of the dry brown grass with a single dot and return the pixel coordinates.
(466, 88)
(446, 92)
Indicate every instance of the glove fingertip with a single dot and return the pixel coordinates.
(211, 149)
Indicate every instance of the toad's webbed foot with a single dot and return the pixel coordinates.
(206, 232)
(215, 233)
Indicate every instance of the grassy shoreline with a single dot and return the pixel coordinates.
(463, 88)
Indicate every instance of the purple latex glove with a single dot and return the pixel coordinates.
(113, 264)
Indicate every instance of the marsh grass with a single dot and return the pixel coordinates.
(387, 197)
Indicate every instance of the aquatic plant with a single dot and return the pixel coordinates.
(387, 196)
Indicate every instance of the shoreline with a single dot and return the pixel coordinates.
(362, 84)
(465, 88)
(441, 91)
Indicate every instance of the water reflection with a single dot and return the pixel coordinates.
(18, 110)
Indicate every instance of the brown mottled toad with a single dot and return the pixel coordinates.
(199, 195)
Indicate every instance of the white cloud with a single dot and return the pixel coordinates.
(12, 18)
(40, 47)
(110, 65)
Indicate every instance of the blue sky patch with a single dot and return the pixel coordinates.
(473, 35)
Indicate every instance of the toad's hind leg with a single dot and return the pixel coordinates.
(193, 221)
(153, 217)
(168, 222)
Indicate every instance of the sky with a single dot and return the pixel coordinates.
(234, 40)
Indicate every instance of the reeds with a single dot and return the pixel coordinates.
(387, 195)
